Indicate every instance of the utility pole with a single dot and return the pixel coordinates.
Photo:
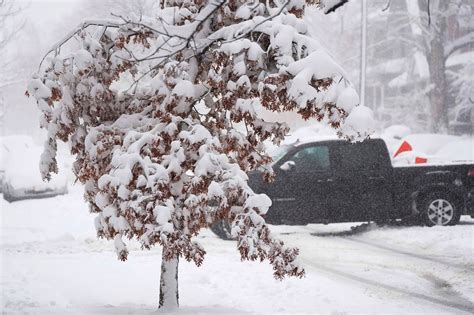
(363, 51)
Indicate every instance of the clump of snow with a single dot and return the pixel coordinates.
(254, 52)
(184, 88)
(348, 99)
(317, 65)
(162, 214)
(259, 201)
(83, 59)
(359, 124)
(37, 89)
(244, 12)
(215, 190)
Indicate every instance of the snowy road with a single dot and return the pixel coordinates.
(393, 265)
(51, 262)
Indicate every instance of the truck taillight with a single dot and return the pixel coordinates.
(470, 173)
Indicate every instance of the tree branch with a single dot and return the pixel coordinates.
(459, 43)
(82, 26)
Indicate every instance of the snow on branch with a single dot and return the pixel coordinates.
(56, 48)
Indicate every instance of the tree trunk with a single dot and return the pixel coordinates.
(437, 68)
(439, 112)
(169, 295)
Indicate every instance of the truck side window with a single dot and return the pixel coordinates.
(314, 158)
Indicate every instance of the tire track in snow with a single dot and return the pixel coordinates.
(409, 254)
(349, 236)
(464, 306)
(449, 297)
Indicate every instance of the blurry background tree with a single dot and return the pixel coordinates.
(419, 67)
(8, 29)
(447, 28)
(135, 9)
(10, 25)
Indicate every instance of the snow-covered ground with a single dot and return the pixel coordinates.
(51, 262)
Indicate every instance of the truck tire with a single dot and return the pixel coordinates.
(222, 229)
(440, 208)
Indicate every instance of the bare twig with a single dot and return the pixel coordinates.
(429, 14)
(79, 28)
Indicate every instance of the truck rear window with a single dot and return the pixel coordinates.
(361, 156)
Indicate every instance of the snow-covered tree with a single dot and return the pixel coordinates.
(438, 46)
(160, 114)
(408, 81)
(463, 87)
(440, 29)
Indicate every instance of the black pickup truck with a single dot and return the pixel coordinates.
(338, 181)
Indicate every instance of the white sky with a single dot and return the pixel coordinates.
(46, 21)
(49, 15)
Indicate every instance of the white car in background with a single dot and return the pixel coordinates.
(19, 171)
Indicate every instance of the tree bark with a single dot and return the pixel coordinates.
(438, 91)
(437, 68)
(169, 294)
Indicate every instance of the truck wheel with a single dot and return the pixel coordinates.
(222, 229)
(440, 209)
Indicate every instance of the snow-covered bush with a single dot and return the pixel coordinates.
(154, 111)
